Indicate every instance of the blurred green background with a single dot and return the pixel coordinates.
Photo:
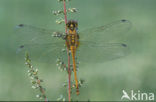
(104, 81)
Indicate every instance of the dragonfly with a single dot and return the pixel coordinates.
(92, 45)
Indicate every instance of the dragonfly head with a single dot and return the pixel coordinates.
(72, 25)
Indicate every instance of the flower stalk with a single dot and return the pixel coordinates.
(68, 53)
(35, 80)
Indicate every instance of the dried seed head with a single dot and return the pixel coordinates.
(29, 74)
(63, 50)
(59, 21)
(38, 96)
(32, 77)
(57, 12)
(72, 10)
(34, 87)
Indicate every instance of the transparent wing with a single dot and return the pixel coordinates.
(104, 43)
(101, 51)
(49, 53)
(113, 32)
(30, 34)
(40, 43)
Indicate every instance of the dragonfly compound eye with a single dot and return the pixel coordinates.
(71, 24)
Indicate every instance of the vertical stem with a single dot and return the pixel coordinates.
(69, 70)
(65, 13)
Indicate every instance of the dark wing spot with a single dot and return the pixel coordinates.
(20, 25)
(124, 45)
(123, 20)
(22, 46)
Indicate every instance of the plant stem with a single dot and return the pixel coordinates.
(68, 53)
(35, 76)
(65, 13)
